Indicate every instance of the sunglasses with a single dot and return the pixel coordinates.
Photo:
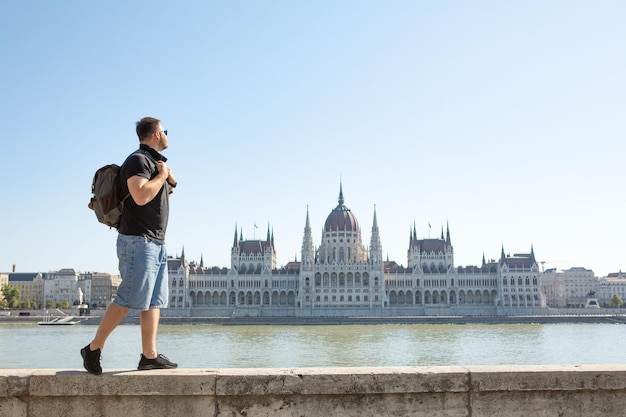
(164, 131)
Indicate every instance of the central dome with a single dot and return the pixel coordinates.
(341, 218)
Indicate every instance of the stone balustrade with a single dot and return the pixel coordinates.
(471, 391)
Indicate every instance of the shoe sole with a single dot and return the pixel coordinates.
(151, 367)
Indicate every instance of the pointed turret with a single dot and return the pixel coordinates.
(376, 250)
(448, 241)
(308, 252)
(235, 241)
(375, 224)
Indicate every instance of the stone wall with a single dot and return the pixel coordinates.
(472, 391)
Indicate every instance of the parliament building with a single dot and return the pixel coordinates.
(343, 278)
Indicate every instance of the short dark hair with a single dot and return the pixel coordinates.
(146, 127)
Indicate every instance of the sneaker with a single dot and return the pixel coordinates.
(91, 360)
(160, 362)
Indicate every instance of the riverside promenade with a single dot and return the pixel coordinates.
(583, 316)
(472, 391)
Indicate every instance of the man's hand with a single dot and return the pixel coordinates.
(163, 170)
(171, 179)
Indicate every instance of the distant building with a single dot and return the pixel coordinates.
(62, 286)
(613, 283)
(343, 277)
(569, 287)
(31, 286)
(101, 289)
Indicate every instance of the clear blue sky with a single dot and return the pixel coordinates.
(504, 119)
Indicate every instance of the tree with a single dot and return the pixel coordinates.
(11, 295)
(616, 301)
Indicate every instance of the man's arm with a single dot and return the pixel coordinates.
(143, 190)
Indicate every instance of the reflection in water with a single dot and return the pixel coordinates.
(215, 346)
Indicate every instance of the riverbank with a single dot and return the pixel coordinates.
(234, 321)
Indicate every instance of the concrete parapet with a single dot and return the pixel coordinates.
(568, 390)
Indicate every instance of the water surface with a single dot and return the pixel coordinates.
(261, 346)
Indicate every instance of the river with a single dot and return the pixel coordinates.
(267, 346)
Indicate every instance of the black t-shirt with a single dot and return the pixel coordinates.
(151, 219)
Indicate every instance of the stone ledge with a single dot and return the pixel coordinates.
(567, 390)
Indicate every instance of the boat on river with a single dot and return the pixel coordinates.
(58, 321)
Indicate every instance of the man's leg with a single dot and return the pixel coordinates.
(149, 321)
(91, 353)
(112, 317)
(150, 358)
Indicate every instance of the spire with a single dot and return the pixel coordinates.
(268, 233)
(484, 263)
(201, 261)
(235, 241)
(376, 250)
(182, 256)
(340, 193)
(441, 232)
(307, 224)
(375, 226)
(448, 241)
(308, 252)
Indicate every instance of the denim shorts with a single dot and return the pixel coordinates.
(143, 268)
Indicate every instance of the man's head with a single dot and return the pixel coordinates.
(151, 133)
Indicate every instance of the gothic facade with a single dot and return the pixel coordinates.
(342, 277)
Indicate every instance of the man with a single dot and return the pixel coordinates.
(140, 248)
